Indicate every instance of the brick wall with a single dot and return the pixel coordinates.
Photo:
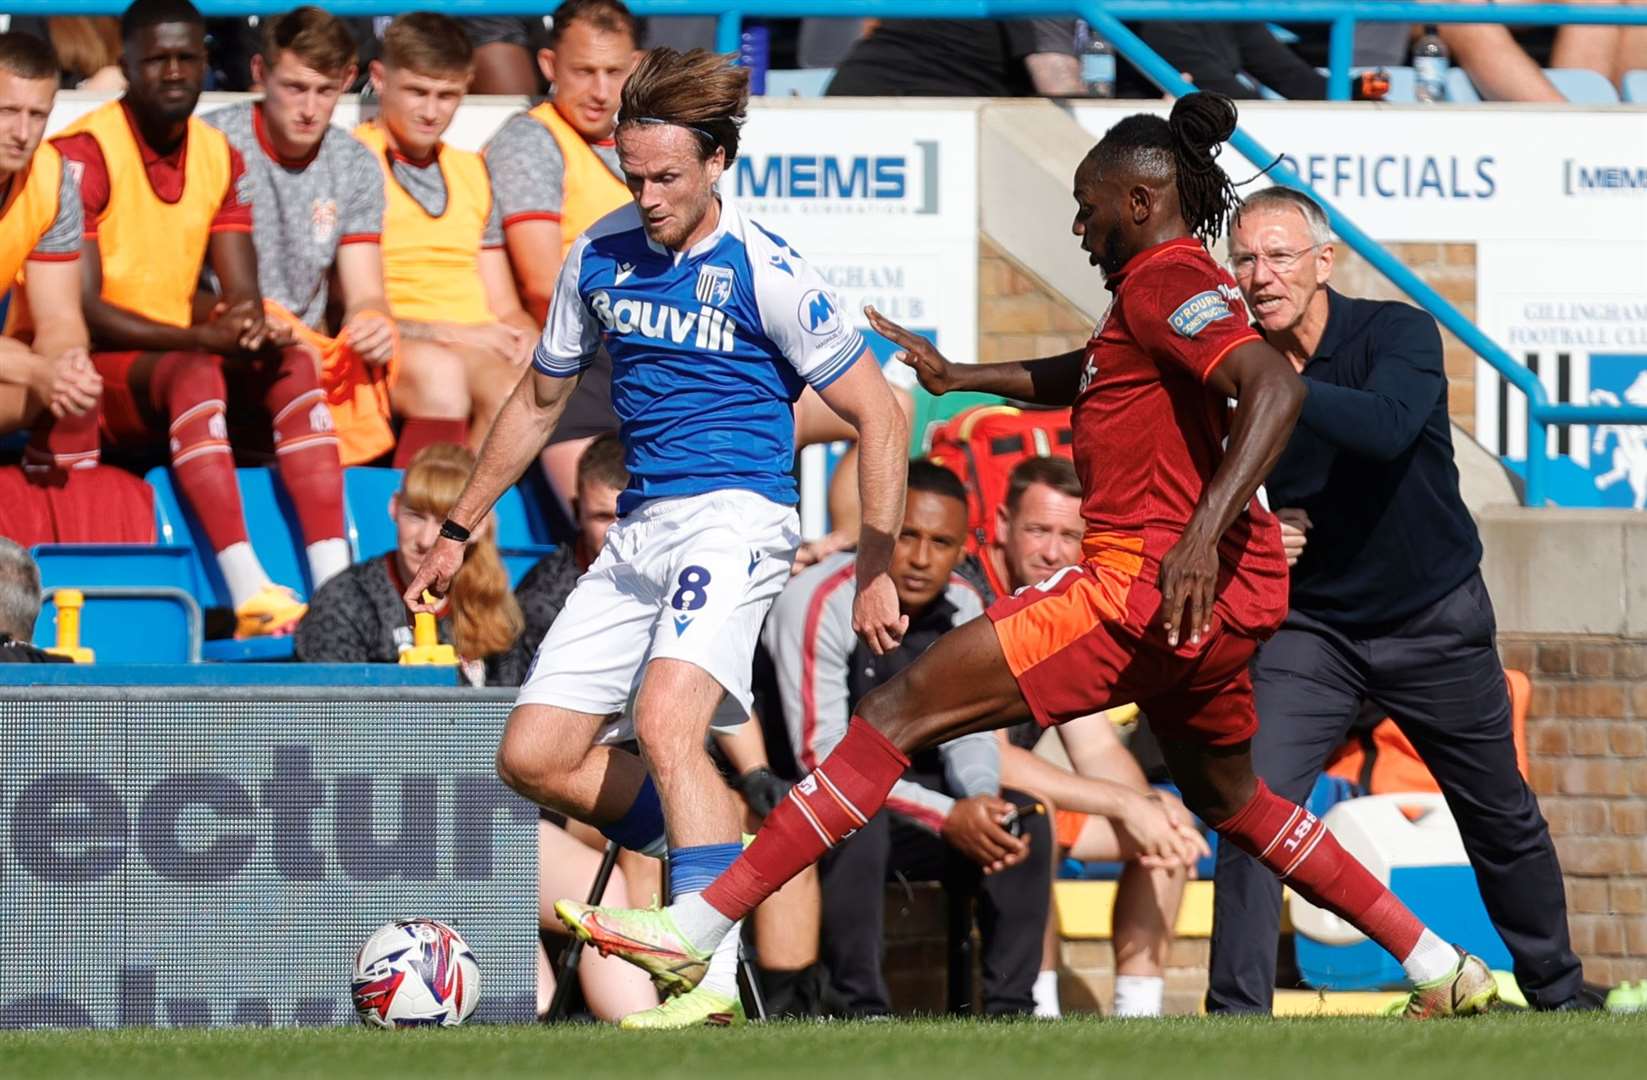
(1020, 316)
(1587, 745)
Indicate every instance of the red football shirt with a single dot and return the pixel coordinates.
(1149, 435)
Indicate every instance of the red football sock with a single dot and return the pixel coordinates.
(58, 444)
(305, 445)
(1296, 846)
(189, 388)
(420, 431)
(834, 800)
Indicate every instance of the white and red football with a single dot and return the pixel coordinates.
(415, 973)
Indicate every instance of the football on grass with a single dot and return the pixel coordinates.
(415, 973)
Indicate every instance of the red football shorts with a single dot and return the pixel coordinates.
(1076, 647)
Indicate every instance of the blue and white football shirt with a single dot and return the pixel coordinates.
(710, 348)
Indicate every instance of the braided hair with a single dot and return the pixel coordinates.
(1187, 143)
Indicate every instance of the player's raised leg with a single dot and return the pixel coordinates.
(1218, 783)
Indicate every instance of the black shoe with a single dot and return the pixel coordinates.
(1590, 998)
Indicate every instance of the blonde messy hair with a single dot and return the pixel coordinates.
(486, 619)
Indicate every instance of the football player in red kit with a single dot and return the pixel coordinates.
(1182, 575)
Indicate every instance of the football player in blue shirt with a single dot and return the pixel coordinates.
(714, 326)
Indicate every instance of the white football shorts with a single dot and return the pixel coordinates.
(687, 578)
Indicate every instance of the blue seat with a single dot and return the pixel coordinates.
(522, 536)
(1635, 87)
(798, 82)
(271, 525)
(1460, 89)
(140, 605)
(366, 495)
(1583, 86)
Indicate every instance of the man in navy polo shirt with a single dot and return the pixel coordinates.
(1387, 605)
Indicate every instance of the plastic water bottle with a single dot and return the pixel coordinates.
(1097, 62)
(755, 53)
(1430, 63)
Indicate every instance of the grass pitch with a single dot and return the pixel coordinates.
(1499, 1047)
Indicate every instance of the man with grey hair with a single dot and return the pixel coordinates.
(1376, 614)
(19, 607)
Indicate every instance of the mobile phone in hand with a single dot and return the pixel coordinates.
(1013, 822)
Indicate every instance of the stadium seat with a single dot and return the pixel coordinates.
(1583, 86)
(271, 525)
(1460, 89)
(798, 82)
(1084, 909)
(130, 624)
(522, 533)
(1635, 87)
(366, 494)
(519, 545)
(1422, 860)
(140, 605)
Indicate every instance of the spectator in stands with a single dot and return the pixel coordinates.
(946, 815)
(46, 375)
(155, 179)
(87, 48)
(503, 55)
(464, 339)
(317, 209)
(1506, 64)
(569, 856)
(360, 618)
(961, 58)
(1099, 806)
(554, 171)
(20, 608)
(1232, 58)
(1374, 614)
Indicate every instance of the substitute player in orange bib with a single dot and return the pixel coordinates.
(464, 338)
(1183, 574)
(46, 376)
(162, 200)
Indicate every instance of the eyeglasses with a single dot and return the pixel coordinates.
(1282, 262)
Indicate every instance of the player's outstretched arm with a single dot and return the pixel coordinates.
(861, 397)
(1051, 380)
(1268, 397)
(522, 428)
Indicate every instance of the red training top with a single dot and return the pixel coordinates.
(1149, 435)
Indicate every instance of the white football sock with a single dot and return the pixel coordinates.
(328, 558)
(722, 976)
(242, 572)
(703, 926)
(1139, 995)
(1045, 993)
(1431, 959)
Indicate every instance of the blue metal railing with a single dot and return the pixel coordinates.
(1106, 17)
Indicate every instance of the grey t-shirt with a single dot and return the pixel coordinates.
(301, 214)
(426, 184)
(528, 170)
(62, 236)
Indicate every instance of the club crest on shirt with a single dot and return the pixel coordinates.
(1199, 312)
(714, 285)
(323, 220)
